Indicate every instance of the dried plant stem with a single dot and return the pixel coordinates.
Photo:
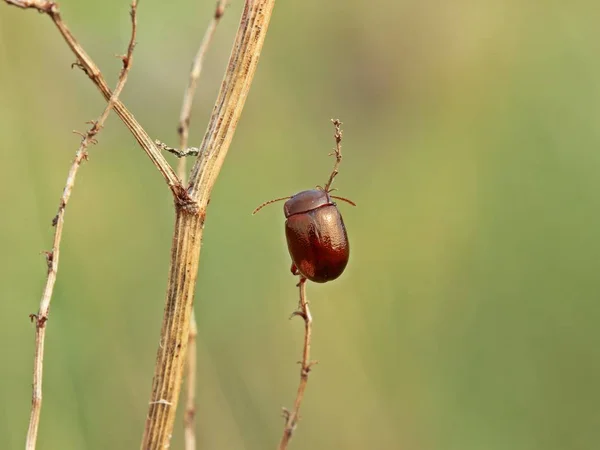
(189, 223)
(93, 72)
(190, 205)
(291, 417)
(183, 131)
(52, 257)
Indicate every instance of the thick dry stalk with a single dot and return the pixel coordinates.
(91, 69)
(183, 131)
(52, 257)
(189, 223)
(291, 417)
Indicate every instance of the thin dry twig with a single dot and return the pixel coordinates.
(188, 97)
(189, 416)
(183, 131)
(189, 224)
(337, 152)
(292, 417)
(85, 63)
(52, 257)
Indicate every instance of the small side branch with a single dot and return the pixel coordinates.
(180, 153)
(52, 257)
(292, 417)
(85, 63)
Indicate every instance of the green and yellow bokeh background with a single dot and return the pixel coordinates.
(468, 316)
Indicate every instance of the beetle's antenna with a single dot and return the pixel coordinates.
(344, 199)
(269, 202)
(337, 152)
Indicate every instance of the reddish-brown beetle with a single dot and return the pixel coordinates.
(314, 228)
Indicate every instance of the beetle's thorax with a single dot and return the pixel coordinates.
(306, 201)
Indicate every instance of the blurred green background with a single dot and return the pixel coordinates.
(467, 317)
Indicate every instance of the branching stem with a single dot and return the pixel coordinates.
(190, 203)
(187, 238)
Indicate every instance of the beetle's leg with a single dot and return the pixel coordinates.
(294, 270)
